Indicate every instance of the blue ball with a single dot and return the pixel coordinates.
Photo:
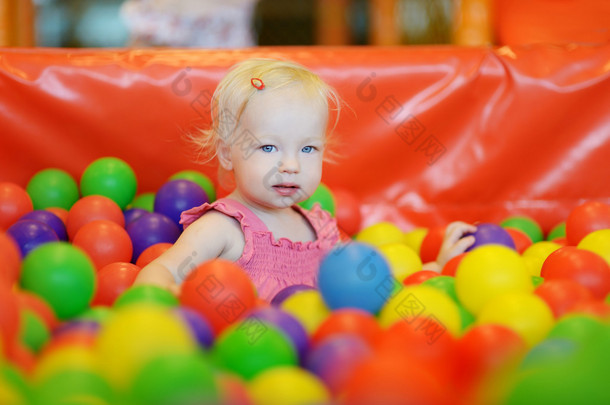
(487, 234)
(50, 219)
(30, 234)
(176, 196)
(151, 228)
(355, 276)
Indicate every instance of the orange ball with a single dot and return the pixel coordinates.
(61, 213)
(522, 241)
(450, 268)
(219, 290)
(431, 245)
(33, 302)
(112, 280)
(91, 208)
(151, 253)
(561, 295)
(586, 218)
(14, 203)
(105, 242)
(10, 259)
(348, 320)
(347, 211)
(9, 317)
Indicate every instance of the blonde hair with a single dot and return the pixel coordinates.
(235, 90)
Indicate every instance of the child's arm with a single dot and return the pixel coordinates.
(454, 244)
(211, 236)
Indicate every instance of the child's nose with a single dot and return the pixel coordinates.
(290, 164)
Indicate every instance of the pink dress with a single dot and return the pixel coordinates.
(275, 264)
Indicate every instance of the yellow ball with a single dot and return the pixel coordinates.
(414, 238)
(380, 234)
(402, 259)
(536, 254)
(287, 385)
(423, 301)
(66, 358)
(597, 242)
(489, 271)
(525, 313)
(308, 307)
(135, 334)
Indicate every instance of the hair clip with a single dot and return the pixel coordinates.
(257, 83)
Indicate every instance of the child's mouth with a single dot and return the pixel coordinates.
(286, 189)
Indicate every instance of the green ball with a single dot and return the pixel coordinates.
(537, 280)
(14, 385)
(52, 188)
(444, 283)
(110, 177)
(73, 387)
(61, 274)
(199, 178)
(99, 314)
(558, 231)
(323, 196)
(578, 328)
(145, 201)
(33, 333)
(149, 294)
(525, 224)
(252, 346)
(176, 378)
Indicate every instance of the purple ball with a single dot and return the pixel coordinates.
(50, 219)
(198, 325)
(283, 294)
(77, 325)
(287, 323)
(177, 196)
(132, 214)
(488, 234)
(30, 234)
(335, 357)
(149, 229)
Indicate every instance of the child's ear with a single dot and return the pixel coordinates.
(224, 155)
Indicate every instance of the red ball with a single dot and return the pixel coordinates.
(348, 320)
(14, 203)
(91, 208)
(10, 259)
(419, 277)
(219, 290)
(586, 218)
(9, 317)
(431, 245)
(582, 266)
(34, 303)
(522, 241)
(112, 280)
(451, 266)
(347, 211)
(151, 253)
(61, 213)
(596, 308)
(561, 295)
(105, 242)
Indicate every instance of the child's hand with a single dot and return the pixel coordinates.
(455, 243)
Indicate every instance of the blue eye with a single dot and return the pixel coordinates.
(307, 149)
(267, 148)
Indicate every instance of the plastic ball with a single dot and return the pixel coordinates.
(9, 317)
(558, 231)
(73, 386)
(52, 220)
(220, 291)
(197, 177)
(487, 272)
(145, 293)
(198, 325)
(92, 208)
(60, 213)
(112, 280)
(52, 188)
(286, 292)
(582, 266)
(355, 275)
(431, 244)
(322, 196)
(488, 233)
(132, 214)
(520, 238)
(63, 358)
(535, 255)
(347, 211)
(251, 346)
(29, 234)
(62, 275)
(177, 378)
(145, 201)
(35, 304)
(586, 218)
(551, 352)
(380, 233)
(10, 259)
(289, 385)
(14, 203)
(403, 260)
(34, 333)
(15, 389)
(350, 321)
(450, 268)
(134, 335)
(105, 242)
(110, 177)
(149, 230)
(419, 277)
(525, 313)
(418, 302)
(177, 196)
(308, 307)
(414, 238)
(597, 242)
(151, 253)
(525, 224)
(561, 295)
